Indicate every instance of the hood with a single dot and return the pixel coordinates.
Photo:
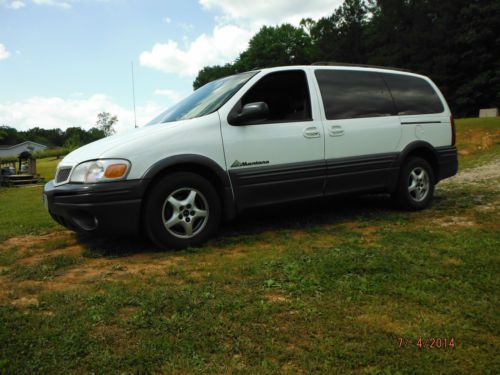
(102, 147)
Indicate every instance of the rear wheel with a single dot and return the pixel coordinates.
(416, 185)
(182, 209)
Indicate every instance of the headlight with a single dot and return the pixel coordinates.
(100, 171)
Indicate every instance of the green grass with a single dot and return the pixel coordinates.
(328, 290)
(328, 309)
(23, 212)
(46, 167)
(482, 123)
(22, 209)
(47, 268)
(478, 141)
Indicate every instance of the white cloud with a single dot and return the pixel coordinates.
(56, 112)
(260, 12)
(187, 27)
(57, 3)
(18, 4)
(4, 54)
(223, 45)
(167, 20)
(240, 20)
(14, 4)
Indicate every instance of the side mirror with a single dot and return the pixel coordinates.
(250, 112)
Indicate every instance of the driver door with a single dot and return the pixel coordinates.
(279, 158)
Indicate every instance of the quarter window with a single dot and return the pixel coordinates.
(413, 95)
(354, 94)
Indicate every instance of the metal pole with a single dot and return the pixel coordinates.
(133, 94)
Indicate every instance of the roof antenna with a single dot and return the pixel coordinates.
(133, 94)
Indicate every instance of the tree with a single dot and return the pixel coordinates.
(341, 36)
(454, 42)
(105, 122)
(276, 46)
(271, 46)
(211, 73)
(9, 136)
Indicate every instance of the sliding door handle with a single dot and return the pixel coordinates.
(335, 131)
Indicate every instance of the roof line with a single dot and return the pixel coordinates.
(333, 63)
(6, 147)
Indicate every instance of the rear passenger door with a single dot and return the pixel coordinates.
(280, 158)
(362, 131)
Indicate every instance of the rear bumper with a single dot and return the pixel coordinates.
(448, 162)
(113, 207)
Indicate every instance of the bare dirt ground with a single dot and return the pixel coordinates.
(490, 171)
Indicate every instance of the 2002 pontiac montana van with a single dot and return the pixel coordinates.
(258, 138)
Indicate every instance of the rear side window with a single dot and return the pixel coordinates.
(354, 94)
(413, 95)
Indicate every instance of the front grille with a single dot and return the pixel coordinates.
(62, 174)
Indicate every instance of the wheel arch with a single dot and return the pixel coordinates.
(200, 165)
(421, 149)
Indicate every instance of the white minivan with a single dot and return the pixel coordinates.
(258, 138)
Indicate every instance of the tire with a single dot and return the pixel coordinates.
(182, 209)
(415, 187)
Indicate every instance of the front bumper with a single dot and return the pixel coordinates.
(111, 207)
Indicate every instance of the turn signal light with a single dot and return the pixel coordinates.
(115, 170)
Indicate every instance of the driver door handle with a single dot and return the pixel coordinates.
(311, 132)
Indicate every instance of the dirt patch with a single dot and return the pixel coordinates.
(34, 249)
(31, 242)
(381, 323)
(276, 298)
(490, 171)
(38, 255)
(25, 301)
(452, 262)
(454, 222)
(126, 312)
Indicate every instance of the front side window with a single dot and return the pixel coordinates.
(413, 95)
(205, 100)
(286, 94)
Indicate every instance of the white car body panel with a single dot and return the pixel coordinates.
(145, 146)
(278, 143)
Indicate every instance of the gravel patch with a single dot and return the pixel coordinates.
(490, 171)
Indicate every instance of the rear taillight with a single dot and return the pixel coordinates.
(453, 133)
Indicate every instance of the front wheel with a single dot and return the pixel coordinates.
(182, 209)
(416, 185)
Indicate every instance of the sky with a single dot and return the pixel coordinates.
(64, 61)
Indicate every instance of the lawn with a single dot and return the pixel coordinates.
(46, 167)
(22, 209)
(349, 287)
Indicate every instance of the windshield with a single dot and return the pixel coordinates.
(205, 100)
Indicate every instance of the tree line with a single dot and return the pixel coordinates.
(69, 139)
(455, 42)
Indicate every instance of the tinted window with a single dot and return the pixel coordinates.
(413, 95)
(286, 94)
(351, 94)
